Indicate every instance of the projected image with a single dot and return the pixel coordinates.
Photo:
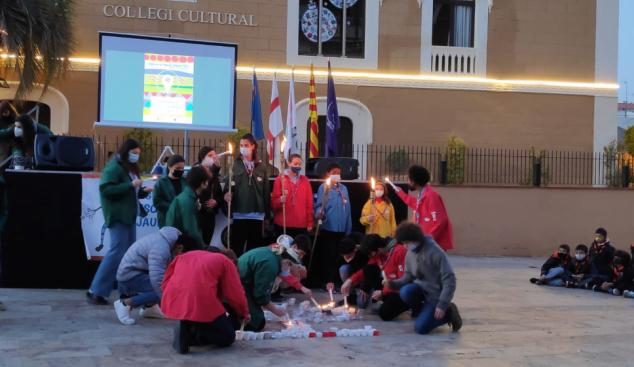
(168, 90)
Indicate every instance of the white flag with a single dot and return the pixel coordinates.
(276, 126)
(291, 124)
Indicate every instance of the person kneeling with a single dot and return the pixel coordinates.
(554, 268)
(193, 291)
(292, 278)
(142, 269)
(620, 280)
(429, 282)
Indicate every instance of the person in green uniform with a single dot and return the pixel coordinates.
(250, 197)
(23, 138)
(258, 270)
(183, 212)
(120, 189)
(169, 187)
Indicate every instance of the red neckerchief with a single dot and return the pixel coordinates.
(379, 200)
(618, 271)
(596, 247)
(565, 262)
(579, 264)
(294, 188)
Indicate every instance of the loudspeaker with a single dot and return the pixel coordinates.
(64, 153)
(317, 167)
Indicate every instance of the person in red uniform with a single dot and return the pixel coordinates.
(298, 198)
(194, 287)
(429, 209)
(387, 259)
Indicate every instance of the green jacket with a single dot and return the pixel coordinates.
(10, 134)
(118, 196)
(258, 269)
(183, 215)
(250, 195)
(163, 195)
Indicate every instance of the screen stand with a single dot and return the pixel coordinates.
(186, 144)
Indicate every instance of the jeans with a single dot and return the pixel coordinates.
(140, 290)
(122, 236)
(553, 278)
(413, 295)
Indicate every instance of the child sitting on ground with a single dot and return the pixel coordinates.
(553, 269)
(580, 271)
(620, 279)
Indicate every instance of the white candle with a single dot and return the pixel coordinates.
(390, 182)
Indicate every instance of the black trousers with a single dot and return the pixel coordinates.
(291, 231)
(219, 332)
(246, 234)
(207, 223)
(233, 317)
(324, 265)
(392, 305)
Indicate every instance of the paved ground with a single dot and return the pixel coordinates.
(507, 322)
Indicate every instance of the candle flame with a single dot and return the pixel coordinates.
(373, 182)
(283, 145)
(230, 148)
(387, 179)
(328, 182)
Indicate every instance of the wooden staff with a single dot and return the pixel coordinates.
(282, 166)
(324, 201)
(230, 160)
(372, 201)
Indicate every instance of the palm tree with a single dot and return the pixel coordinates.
(41, 35)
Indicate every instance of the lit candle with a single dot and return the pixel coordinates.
(387, 179)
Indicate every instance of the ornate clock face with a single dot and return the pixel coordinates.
(310, 20)
(339, 3)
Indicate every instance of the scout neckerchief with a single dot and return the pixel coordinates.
(294, 188)
(420, 199)
(343, 197)
(564, 262)
(381, 265)
(596, 247)
(617, 271)
(382, 212)
(249, 167)
(579, 264)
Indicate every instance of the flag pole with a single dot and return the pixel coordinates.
(252, 96)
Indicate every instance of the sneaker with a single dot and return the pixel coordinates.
(534, 280)
(375, 311)
(588, 287)
(153, 312)
(597, 288)
(181, 336)
(616, 292)
(628, 294)
(123, 313)
(571, 285)
(456, 320)
(96, 300)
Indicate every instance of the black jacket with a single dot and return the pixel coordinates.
(585, 267)
(213, 191)
(359, 261)
(554, 262)
(622, 278)
(602, 257)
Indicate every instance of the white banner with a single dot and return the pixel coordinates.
(96, 235)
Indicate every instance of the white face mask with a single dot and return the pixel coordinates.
(335, 178)
(133, 158)
(208, 161)
(580, 256)
(245, 152)
(411, 246)
(378, 194)
(18, 132)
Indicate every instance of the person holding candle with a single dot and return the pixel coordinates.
(250, 199)
(183, 212)
(211, 198)
(292, 277)
(428, 283)
(168, 187)
(336, 223)
(298, 200)
(259, 269)
(378, 217)
(429, 209)
(354, 261)
(120, 189)
(194, 288)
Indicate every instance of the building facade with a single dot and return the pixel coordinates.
(505, 74)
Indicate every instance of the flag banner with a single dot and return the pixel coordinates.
(276, 127)
(291, 123)
(256, 110)
(332, 118)
(312, 115)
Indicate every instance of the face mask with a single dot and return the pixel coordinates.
(599, 241)
(296, 170)
(617, 261)
(562, 256)
(133, 158)
(411, 246)
(18, 132)
(411, 188)
(245, 152)
(581, 257)
(378, 194)
(178, 173)
(335, 178)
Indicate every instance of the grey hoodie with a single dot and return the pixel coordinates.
(428, 266)
(152, 255)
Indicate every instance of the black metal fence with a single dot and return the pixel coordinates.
(459, 166)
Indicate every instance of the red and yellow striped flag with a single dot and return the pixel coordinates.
(312, 114)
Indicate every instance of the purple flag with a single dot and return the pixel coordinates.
(332, 118)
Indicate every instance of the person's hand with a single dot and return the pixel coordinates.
(279, 312)
(283, 199)
(345, 288)
(307, 292)
(377, 295)
(397, 189)
(216, 159)
(542, 278)
(137, 183)
(330, 287)
(364, 296)
(320, 215)
(310, 228)
(387, 284)
(606, 286)
(211, 203)
(148, 189)
(246, 320)
(440, 314)
(228, 197)
(578, 277)
(199, 206)
(371, 218)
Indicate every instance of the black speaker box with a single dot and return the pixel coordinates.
(316, 167)
(64, 153)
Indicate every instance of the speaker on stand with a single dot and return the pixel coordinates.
(64, 153)
(316, 168)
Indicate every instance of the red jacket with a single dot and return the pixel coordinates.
(195, 285)
(392, 263)
(432, 216)
(298, 214)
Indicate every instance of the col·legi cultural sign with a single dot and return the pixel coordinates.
(191, 16)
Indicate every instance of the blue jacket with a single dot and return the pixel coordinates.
(337, 216)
